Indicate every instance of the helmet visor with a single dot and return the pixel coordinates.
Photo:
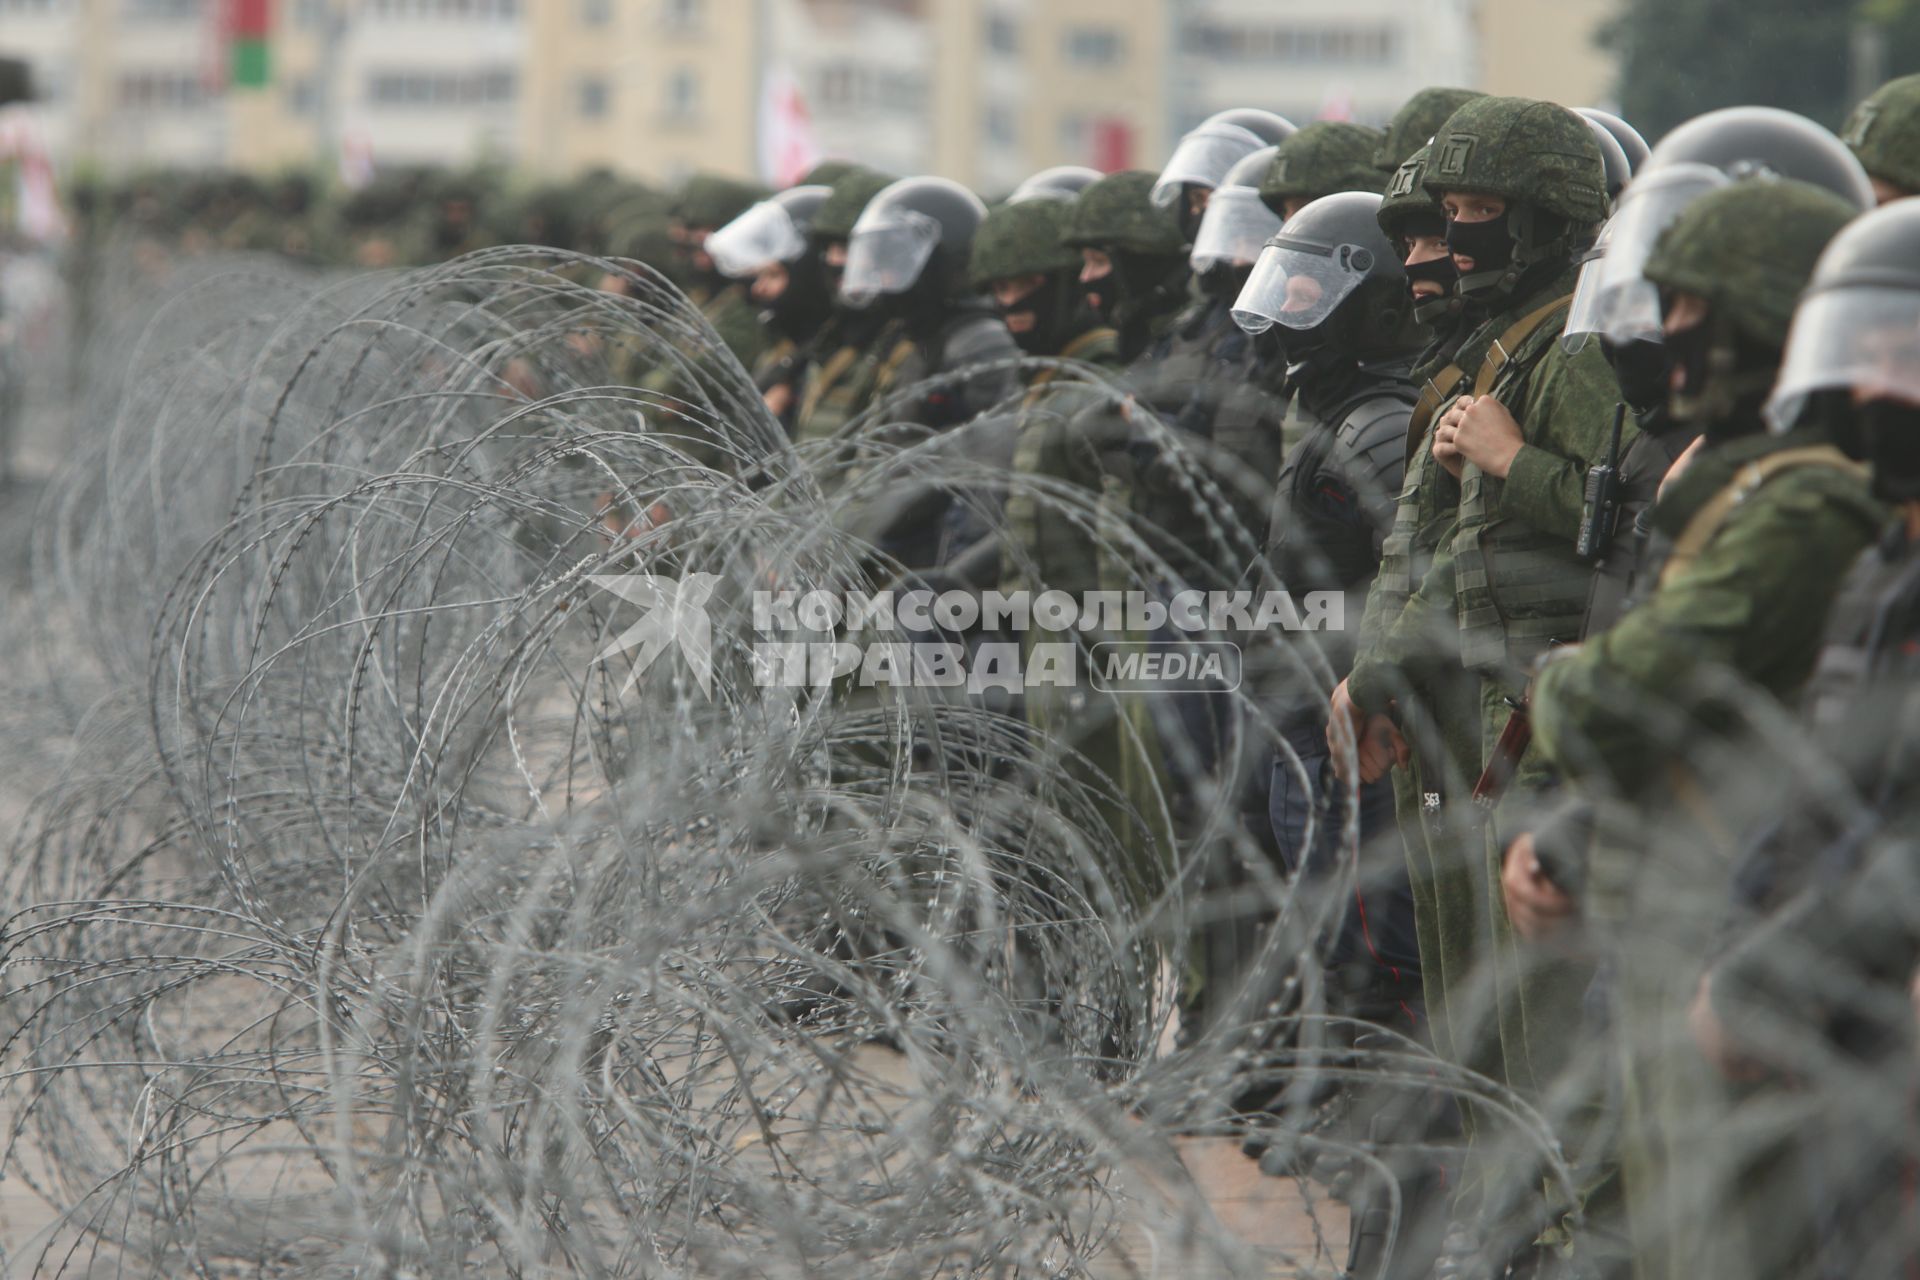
(1299, 286)
(763, 234)
(1622, 304)
(1865, 340)
(1583, 318)
(887, 255)
(1203, 158)
(1235, 229)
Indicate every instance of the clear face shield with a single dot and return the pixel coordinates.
(763, 235)
(1203, 158)
(1235, 230)
(1863, 339)
(887, 254)
(1613, 298)
(1298, 286)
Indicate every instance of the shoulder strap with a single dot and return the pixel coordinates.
(1713, 514)
(1439, 389)
(830, 373)
(1508, 344)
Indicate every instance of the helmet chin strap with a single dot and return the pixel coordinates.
(1529, 251)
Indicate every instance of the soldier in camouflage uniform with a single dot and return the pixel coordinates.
(704, 205)
(946, 357)
(1415, 123)
(1322, 158)
(1332, 291)
(771, 248)
(1435, 705)
(1647, 718)
(1521, 183)
(1884, 132)
(836, 378)
(1813, 1003)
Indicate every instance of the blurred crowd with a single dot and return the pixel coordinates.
(1609, 454)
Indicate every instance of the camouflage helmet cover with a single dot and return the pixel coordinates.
(709, 200)
(834, 220)
(1323, 158)
(1406, 198)
(1748, 249)
(1415, 123)
(1022, 238)
(1524, 150)
(826, 173)
(1118, 212)
(1884, 132)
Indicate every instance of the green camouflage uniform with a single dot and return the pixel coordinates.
(847, 370)
(1077, 438)
(1438, 701)
(1504, 585)
(1647, 719)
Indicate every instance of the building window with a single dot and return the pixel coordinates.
(847, 86)
(303, 96)
(596, 98)
(1319, 45)
(682, 15)
(162, 91)
(596, 13)
(1093, 46)
(441, 89)
(683, 94)
(1000, 127)
(1003, 37)
(486, 10)
(160, 10)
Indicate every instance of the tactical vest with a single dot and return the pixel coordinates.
(841, 388)
(1095, 346)
(1517, 589)
(1307, 546)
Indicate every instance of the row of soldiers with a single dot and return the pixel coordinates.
(402, 217)
(1611, 453)
(1615, 451)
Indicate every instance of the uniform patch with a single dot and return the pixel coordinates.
(1455, 153)
(1404, 179)
(1278, 173)
(1861, 125)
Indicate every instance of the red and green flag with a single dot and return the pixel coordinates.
(249, 25)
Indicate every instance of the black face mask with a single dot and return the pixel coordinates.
(1891, 431)
(804, 305)
(1440, 271)
(1643, 370)
(1728, 380)
(1057, 311)
(1223, 281)
(1489, 243)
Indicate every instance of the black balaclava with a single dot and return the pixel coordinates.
(1729, 378)
(1059, 312)
(803, 307)
(1141, 288)
(1890, 430)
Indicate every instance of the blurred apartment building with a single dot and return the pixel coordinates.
(985, 91)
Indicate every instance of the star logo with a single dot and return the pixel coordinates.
(676, 613)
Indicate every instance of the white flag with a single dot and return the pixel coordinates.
(787, 146)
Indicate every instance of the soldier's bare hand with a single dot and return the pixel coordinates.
(1346, 722)
(1536, 906)
(1381, 747)
(1489, 437)
(1445, 451)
